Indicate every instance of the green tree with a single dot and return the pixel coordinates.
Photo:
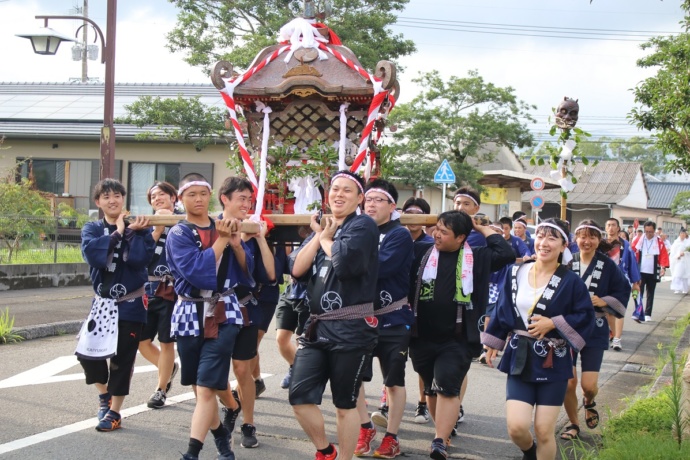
(641, 149)
(459, 119)
(180, 120)
(21, 212)
(210, 30)
(680, 206)
(664, 99)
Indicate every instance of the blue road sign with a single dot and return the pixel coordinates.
(444, 174)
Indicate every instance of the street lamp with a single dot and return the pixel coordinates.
(46, 41)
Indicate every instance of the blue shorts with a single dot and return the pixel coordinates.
(536, 393)
(206, 362)
(268, 309)
(590, 359)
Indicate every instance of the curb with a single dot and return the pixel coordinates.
(665, 377)
(48, 330)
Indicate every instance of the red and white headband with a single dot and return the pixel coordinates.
(192, 184)
(382, 191)
(521, 222)
(347, 176)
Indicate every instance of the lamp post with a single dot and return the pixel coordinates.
(47, 41)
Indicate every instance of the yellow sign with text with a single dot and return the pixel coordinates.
(494, 195)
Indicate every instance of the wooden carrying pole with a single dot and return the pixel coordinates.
(287, 219)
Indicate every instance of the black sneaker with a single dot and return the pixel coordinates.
(249, 436)
(176, 367)
(223, 446)
(421, 414)
(157, 400)
(230, 416)
(260, 387)
(461, 418)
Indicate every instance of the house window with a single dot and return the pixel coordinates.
(48, 175)
(141, 178)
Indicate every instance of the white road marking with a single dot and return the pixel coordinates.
(91, 423)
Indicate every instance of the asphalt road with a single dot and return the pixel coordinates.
(47, 412)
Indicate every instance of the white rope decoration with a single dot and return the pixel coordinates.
(343, 136)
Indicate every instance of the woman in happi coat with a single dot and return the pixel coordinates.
(609, 290)
(544, 314)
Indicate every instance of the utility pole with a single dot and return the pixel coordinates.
(84, 53)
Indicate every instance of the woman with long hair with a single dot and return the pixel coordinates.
(609, 290)
(543, 315)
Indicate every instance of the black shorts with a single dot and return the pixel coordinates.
(391, 350)
(291, 314)
(206, 362)
(536, 393)
(117, 375)
(158, 317)
(268, 309)
(313, 367)
(590, 359)
(442, 366)
(246, 343)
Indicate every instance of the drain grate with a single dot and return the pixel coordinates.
(639, 369)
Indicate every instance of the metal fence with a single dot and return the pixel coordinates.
(26, 239)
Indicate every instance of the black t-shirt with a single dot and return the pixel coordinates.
(436, 320)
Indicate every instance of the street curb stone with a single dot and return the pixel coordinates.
(48, 330)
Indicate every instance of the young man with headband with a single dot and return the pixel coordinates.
(207, 258)
(162, 196)
(394, 317)
(340, 263)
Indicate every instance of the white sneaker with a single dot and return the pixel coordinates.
(647, 318)
(676, 292)
(616, 345)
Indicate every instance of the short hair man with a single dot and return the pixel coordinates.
(394, 317)
(449, 296)
(653, 261)
(162, 197)
(624, 256)
(340, 263)
(235, 196)
(118, 254)
(207, 258)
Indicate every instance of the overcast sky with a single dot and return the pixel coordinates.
(541, 69)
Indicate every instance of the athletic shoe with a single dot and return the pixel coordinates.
(366, 435)
(285, 383)
(389, 448)
(482, 358)
(176, 367)
(157, 400)
(421, 414)
(617, 345)
(333, 456)
(461, 418)
(188, 457)
(223, 445)
(230, 416)
(438, 450)
(647, 318)
(380, 417)
(110, 422)
(260, 387)
(249, 436)
(104, 402)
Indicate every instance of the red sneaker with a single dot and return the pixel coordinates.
(366, 435)
(333, 456)
(389, 448)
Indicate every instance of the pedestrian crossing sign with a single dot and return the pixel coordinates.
(444, 174)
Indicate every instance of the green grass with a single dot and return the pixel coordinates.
(7, 334)
(66, 254)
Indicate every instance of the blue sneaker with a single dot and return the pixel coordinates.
(285, 383)
(104, 402)
(223, 447)
(438, 450)
(111, 422)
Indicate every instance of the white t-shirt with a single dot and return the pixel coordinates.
(526, 294)
(647, 259)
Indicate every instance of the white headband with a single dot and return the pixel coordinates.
(519, 222)
(560, 230)
(582, 227)
(382, 191)
(347, 176)
(414, 208)
(192, 184)
(466, 196)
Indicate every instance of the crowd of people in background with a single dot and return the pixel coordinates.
(362, 285)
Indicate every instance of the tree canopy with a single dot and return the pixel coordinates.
(211, 30)
(680, 206)
(460, 119)
(664, 99)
